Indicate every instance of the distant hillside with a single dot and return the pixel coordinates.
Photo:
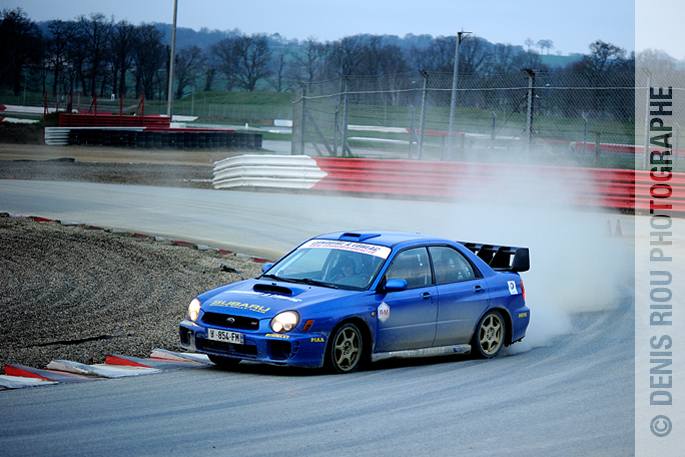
(554, 61)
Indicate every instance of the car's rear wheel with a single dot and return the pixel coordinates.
(345, 349)
(488, 339)
(226, 363)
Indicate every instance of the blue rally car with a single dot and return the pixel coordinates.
(344, 299)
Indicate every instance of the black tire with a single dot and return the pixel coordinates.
(225, 363)
(345, 349)
(488, 339)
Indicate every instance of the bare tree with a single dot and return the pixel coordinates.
(122, 44)
(503, 59)
(209, 74)
(603, 57)
(189, 64)
(606, 65)
(279, 66)
(545, 44)
(474, 53)
(657, 61)
(346, 55)
(244, 60)
(308, 63)
(226, 61)
(253, 57)
(150, 56)
(529, 59)
(61, 33)
(438, 56)
(20, 46)
(529, 42)
(95, 31)
(381, 58)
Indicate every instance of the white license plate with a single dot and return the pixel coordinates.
(225, 337)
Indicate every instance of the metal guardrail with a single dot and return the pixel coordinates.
(56, 136)
(288, 172)
(143, 137)
(593, 187)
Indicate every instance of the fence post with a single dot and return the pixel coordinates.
(529, 114)
(494, 129)
(336, 118)
(345, 146)
(422, 120)
(597, 139)
(303, 120)
(645, 160)
(412, 131)
(584, 135)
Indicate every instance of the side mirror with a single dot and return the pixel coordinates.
(395, 285)
(266, 267)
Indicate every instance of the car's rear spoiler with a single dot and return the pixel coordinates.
(501, 258)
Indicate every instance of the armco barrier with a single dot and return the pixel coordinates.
(143, 137)
(595, 187)
(112, 120)
(291, 172)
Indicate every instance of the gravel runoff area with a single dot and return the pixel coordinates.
(74, 293)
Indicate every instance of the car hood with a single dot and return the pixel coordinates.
(264, 299)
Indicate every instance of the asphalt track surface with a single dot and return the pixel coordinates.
(567, 390)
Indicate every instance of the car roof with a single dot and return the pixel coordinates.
(384, 238)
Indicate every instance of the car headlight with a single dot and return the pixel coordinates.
(285, 322)
(194, 309)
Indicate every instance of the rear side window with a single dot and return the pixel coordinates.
(450, 265)
(413, 266)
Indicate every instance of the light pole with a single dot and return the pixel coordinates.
(170, 104)
(453, 102)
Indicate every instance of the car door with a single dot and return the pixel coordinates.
(407, 318)
(462, 296)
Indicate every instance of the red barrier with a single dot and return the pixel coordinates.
(112, 120)
(607, 188)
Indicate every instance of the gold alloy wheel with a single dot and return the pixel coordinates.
(491, 334)
(347, 348)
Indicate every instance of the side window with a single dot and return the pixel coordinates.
(450, 265)
(413, 266)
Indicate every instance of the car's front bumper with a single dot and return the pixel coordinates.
(292, 349)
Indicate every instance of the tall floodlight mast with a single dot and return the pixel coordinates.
(170, 104)
(453, 102)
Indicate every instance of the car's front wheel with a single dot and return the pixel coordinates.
(226, 363)
(488, 339)
(345, 349)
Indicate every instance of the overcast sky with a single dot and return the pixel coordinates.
(567, 22)
(571, 24)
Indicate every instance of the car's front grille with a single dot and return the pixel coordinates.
(228, 348)
(229, 321)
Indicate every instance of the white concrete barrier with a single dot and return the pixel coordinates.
(57, 136)
(290, 172)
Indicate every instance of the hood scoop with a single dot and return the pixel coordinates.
(272, 289)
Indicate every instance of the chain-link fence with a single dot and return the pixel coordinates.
(558, 118)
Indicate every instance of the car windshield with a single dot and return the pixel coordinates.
(331, 263)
